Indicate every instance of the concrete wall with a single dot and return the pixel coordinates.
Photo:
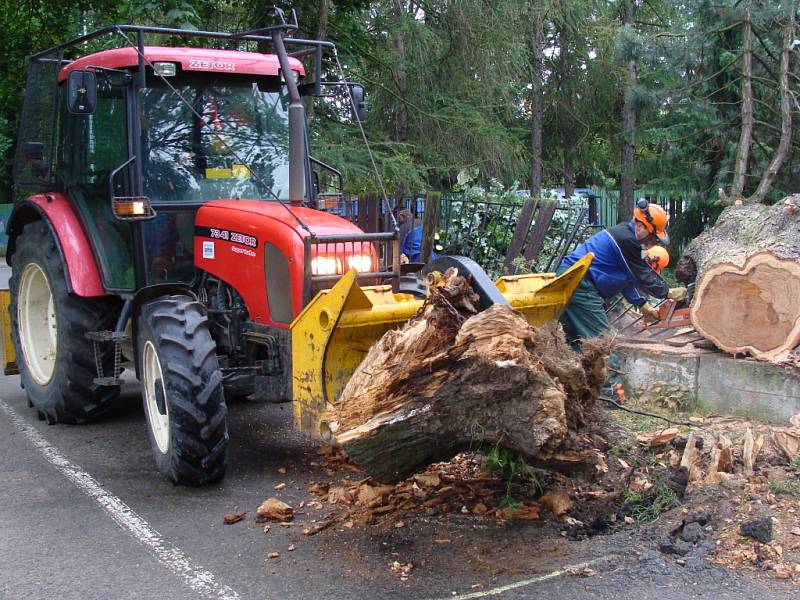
(710, 382)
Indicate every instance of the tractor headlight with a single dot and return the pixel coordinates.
(326, 265)
(360, 262)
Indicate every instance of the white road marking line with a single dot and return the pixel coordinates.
(196, 577)
(518, 584)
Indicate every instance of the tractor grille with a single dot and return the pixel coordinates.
(376, 257)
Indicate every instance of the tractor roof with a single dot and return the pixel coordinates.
(190, 59)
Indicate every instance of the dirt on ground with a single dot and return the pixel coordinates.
(700, 489)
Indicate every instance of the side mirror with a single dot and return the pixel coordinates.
(358, 95)
(81, 92)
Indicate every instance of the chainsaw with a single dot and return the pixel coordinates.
(673, 313)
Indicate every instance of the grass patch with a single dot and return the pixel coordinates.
(663, 500)
(518, 475)
(794, 464)
(789, 488)
(638, 423)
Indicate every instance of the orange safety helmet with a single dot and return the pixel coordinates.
(658, 258)
(654, 218)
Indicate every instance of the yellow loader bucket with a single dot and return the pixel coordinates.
(337, 328)
(9, 359)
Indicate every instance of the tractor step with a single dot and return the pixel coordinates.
(107, 337)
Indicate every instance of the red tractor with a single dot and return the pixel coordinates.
(166, 217)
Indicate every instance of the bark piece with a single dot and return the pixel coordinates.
(787, 441)
(750, 449)
(658, 439)
(445, 382)
(275, 510)
(689, 459)
(557, 502)
(748, 279)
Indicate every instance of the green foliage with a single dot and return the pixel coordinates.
(794, 464)
(789, 488)
(518, 475)
(449, 87)
(663, 500)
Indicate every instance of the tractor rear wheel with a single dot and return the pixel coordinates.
(182, 391)
(56, 362)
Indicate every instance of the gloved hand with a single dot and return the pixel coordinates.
(650, 313)
(678, 294)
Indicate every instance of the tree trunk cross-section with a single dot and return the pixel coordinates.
(448, 381)
(747, 270)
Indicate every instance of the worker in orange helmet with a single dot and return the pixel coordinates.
(618, 267)
(657, 258)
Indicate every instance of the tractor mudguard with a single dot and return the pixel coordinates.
(334, 332)
(83, 276)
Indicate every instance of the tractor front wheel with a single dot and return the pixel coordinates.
(182, 391)
(56, 362)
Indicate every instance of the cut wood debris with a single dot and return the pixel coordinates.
(274, 510)
(233, 518)
(661, 438)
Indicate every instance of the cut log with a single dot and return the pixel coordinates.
(747, 273)
(448, 381)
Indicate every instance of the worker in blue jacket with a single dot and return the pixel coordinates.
(618, 267)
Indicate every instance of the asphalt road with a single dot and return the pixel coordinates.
(84, 514)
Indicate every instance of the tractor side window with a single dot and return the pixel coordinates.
(92, 146)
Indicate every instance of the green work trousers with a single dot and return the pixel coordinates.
(585, 315)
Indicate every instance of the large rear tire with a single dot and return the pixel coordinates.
(182, 391)
(56, 361)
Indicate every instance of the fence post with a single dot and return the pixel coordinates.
(373, 205)
(430, 224)
(543, 220)
(520, 232)
(362, 213)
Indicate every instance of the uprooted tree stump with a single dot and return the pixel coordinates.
(447, 381)
(747, 273)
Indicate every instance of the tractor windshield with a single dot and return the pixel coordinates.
(228, 139)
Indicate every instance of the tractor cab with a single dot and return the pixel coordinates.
(206, 125)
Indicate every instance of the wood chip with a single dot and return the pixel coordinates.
(787, 441)
(234, 518)
(315, 528)
(689, 458)
(441, 541)
(282, 470)
(557, 502)
(319, 488)
(399, 524)
(429, 480)
(280, 486)
(275, 510)
(290, 548)
(658, 439)
(273, 555)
